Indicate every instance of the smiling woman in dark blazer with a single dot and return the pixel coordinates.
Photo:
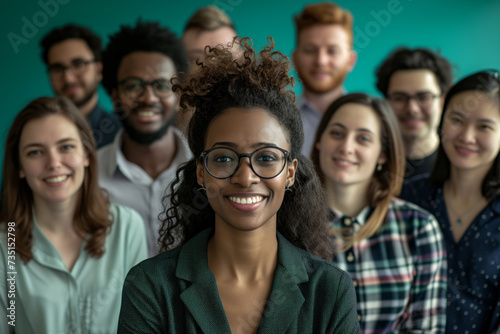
(244, 261)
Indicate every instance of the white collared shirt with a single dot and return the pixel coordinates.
(128, 184)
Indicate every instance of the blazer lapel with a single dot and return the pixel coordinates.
(285, 300)
(201, 296)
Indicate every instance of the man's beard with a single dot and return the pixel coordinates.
(337, 80)
(144, 138)
(89, 94)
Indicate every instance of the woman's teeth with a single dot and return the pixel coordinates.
(246, 200)
(56, 179)
(146, 113)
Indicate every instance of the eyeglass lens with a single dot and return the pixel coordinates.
(77, 66)
(135, 87)
(400, 100)
(266, 162)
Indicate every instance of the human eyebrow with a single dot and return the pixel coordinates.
(32, 146)
(487, 120)
(337, 124)
(454, 112)
(225, 143)
(37, 145)
(64, 140)
(365, 130)
(262, 144)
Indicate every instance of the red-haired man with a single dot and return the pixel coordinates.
(323, 58)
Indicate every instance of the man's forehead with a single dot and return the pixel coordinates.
(146, 65)
(69, 50)
(324, 34)
(413, 80)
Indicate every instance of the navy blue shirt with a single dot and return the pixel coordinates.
(473, 263)
(104, 126)
(419, 167)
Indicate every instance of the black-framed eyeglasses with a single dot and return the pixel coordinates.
(266, 162)
(423, 100)
(135, 87)
(77, 66)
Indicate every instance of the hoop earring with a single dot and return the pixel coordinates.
(201, 188)
(288, 188)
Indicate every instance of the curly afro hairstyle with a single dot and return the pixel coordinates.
(145, 36)
(250, 81)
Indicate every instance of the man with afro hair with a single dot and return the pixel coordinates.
(142, 161)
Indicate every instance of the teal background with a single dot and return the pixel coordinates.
(466, 32)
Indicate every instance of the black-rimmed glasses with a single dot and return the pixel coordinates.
(266, 162)
(400, 100)
(135, 87)
(77, 66)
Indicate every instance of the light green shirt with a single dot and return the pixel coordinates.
(50, 299)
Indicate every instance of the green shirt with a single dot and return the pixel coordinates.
(50, 299)
(175, 292)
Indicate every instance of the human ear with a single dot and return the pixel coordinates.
(200, 178)
(114, 98)
(86, 161)
(291, 170)
(382, 159)
(99, 70)
(353, 58)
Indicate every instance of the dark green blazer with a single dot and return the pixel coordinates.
(175, 292)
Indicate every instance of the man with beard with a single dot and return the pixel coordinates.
(73, 57)
(138, 167)
(414, 82)
(322, 59)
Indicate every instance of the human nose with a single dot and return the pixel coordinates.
(68, 74)
(149, 95)
(346, 146)
(244, 175)
(467, 134)
(412, 105)
(53, 160)
(322, 57)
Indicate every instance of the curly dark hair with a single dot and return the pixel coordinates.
(145, 36)
(486, 82)
(220, 83)
(68, 31)
(417, 59)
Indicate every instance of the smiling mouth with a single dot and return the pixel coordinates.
(56, 179)
(146, 113)
(464, 150)
(246, 200)
(343, 162)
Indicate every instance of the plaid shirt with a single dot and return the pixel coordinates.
(399, 272)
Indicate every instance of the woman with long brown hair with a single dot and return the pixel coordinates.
(392, 249)
(68, 248)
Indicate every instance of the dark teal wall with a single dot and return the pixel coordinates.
(467, 33)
